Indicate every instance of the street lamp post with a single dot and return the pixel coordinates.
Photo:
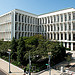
(49, 53)
(9, 59)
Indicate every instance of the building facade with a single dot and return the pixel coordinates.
(58, 25)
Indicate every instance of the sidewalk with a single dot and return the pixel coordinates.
(4, 66)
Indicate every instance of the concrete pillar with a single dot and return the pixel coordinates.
(67, 45)
(71, 46)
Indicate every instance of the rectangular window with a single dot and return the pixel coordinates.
(54, 27)
(15, 17)
(65, 26)
(58, 36)
(69, 26)
(73, 26)
(54, 18)
(61, 36)
(61, 27)
(74, 16)
(65, 36)
(69, 17)
(57, 27)
(69, 36)
(19, 17)
(61, 18)
(57, 18)
(25, 19)
(51, 19)
(65, 17)
(73, 37)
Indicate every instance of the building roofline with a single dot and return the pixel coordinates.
(35, 14)
(26, 12)
(56, 11)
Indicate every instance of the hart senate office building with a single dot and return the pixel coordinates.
(57, 25)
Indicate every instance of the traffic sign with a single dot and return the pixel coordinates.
(47, 64)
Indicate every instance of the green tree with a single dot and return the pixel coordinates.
(13, 47)
(20, 50)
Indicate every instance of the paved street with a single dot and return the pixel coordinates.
(2, 73)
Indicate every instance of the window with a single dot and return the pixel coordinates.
(54, 18)
(45, 20)
(16, 26)
(22, 19)
(61, 18)
(61, 27)
(69, 17)
(58, 36)
(51, 36)
(74, 16)
(61, 36)
(57, 27)
(45, 28)
(65, 17)
(57, 18)
(73, 26)
(69, 26)
(25, 19)
(69, 36)
(48, 28)
(54, 36)
(51, 28)
(19, 17)
(73, 37)
(54, 27)
(28, 19)
(65, 26)
(65, 36)
(15, 17)
(51, 20)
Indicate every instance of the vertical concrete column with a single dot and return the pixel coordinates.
(64, 44)
(67, 45)
(50, 36)
(63, 27)
(63, 18)
(50, 19)
(72, 46)
(71, 16)
(59, 18)
(59, 36)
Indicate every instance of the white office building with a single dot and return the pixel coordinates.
(58, 25)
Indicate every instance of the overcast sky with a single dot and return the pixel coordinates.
(35, 6)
